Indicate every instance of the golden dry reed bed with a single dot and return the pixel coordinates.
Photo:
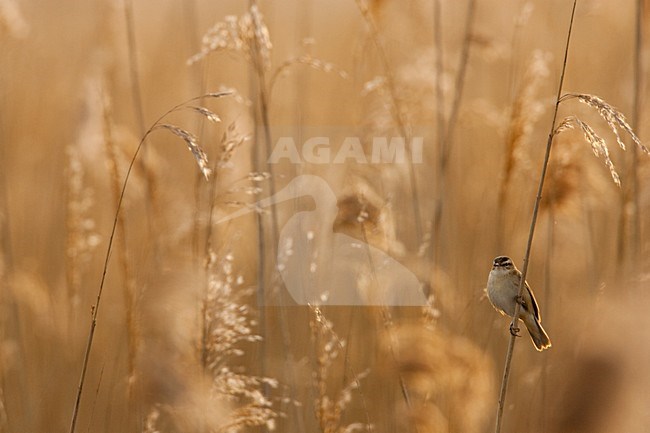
(317, 261)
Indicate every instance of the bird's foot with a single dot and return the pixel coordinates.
(514, 330)
(520, 300)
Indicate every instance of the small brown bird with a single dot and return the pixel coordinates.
(502, 291)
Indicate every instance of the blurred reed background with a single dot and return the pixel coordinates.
(196, 332)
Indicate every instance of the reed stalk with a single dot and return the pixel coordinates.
(531, 233)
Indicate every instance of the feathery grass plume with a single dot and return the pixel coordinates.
(228, 324)
(176, 394)
(206, 112)
(564, 174)
(443, 298)
(330, 410)
(597, 143)
(364, 214)
(190, 139)
(254, 176)
(81, 233)
(82, 237)
(355, 210)
(262, 41)
(430, 312)
(238, 34)
(377, 120)
(193, 146)
(450, 379)
(232, 93)
(524, 114)
(420, 83)
(231, 140)
(615, 120)
(249, 185)
(390, 178)
(249, 36)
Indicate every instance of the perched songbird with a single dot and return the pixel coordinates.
(502, 290)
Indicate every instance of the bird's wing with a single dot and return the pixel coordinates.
(536, 311)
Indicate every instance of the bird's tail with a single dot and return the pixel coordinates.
(538, 335)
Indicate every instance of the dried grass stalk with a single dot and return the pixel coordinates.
(329, 411)
(129, 287)
(228, 322)
(201, 157)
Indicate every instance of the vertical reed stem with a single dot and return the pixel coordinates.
(636, 113)
(515, 319)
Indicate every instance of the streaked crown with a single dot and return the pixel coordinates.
(502, 262)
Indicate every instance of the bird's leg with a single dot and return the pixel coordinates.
(520, 300)
(514, 330)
